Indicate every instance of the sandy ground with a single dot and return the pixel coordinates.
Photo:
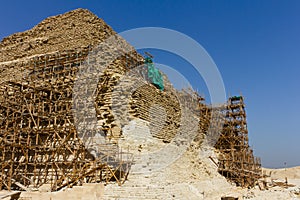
(277, 186)
(290, 173)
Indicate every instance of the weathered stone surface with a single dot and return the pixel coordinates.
(73, 30)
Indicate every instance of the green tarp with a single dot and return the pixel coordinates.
(154, 75)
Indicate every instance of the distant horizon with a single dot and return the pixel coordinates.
(255, 45)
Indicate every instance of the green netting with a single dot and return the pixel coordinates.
(154, 74)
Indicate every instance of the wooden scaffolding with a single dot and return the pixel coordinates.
(39, 143)
(236, 160)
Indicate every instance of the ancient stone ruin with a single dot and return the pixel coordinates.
(48, 134)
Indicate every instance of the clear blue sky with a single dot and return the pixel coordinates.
(255, 44)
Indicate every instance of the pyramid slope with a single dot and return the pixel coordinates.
(75, 29)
